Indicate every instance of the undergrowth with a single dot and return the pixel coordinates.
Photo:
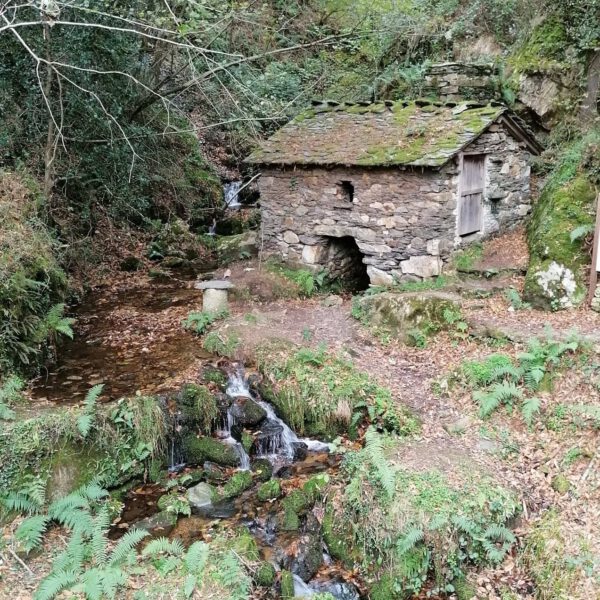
(324, 394)
(417, 525)
(95, 568)
(501, 380)
(199, 322)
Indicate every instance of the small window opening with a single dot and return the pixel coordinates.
(346, 191)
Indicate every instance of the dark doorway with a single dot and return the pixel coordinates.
(344, 263)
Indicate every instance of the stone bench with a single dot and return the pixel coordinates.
(214, 299)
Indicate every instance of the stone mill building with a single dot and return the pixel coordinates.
(384, 192)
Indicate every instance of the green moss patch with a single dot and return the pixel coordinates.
(556, 277)
(199, 449)
(412, 523)
(323, 395)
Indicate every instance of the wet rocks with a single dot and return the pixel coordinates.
(247, 412)
(160, 524)
(270, 490)
(340, 590)
(238, 483)
(262, 469)
(204, 501)
(300, 450)
(198, 449)
(309, 557)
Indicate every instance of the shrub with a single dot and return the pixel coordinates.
(32, 284)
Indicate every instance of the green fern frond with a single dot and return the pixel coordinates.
(488, 402)
(533, 376)
(500, 533)
(163, 545)
(31, 531)
(55, 583)
(196, 558)
(18, 502)
(410, 539)
(126, 544)
(189, 585)
(530, 408)
(464, 524)
(506, 372)
(384, 471)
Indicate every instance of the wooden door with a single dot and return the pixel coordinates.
(472, 182)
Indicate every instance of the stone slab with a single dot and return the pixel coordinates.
(214, 284)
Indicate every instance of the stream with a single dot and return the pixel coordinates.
(130, 338)
(294, 461)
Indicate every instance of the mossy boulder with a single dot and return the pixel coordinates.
(265, 574)
(262, 469)
(248, 412)
(234, 247)
(560, 484)
(198, 407)
(270, 490)
(306, 561)
(400, 314)
(238, 483)
(198, 449)
(556, 277)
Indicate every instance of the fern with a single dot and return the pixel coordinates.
(86, 419)
(55, 322)
(464, 524)
(196, 558)
(409, 540)
(126, 544)
(530, 408)
(375, 456)
(163, 545)
(31, 531)
(55, 583)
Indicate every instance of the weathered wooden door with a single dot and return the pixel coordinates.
(472, 181)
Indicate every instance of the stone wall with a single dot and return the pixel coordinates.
(403, 221)
(453, 82)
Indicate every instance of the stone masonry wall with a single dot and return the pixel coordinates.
(506, 198)
(404, 222)
(462, 81)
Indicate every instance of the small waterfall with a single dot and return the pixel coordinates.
(244, 458)
(279, 444)
(278, 440)
(231, 193)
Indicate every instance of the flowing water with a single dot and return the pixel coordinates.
(231, 192)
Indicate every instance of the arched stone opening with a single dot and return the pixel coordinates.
(343, 261)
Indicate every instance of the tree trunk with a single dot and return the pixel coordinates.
(50, 150)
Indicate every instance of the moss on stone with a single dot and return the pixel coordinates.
(270, 490)
(238, 483)
(199, 449)
(262, 469)
(247, 441)
(337, 535)
(265, 574)
(198, 406)
(556, 277)
(287, 585)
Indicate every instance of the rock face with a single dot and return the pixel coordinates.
(557, 277)
(402, 313)
(403, 222)
(457, 81)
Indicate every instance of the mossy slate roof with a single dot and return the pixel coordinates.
(417, 133)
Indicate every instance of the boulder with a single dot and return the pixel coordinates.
(402, 313)
(247, 412)
(234, 247)
(309, 557)
(158, 525)
(422, 266)
(300, 450)
(378, 277)
(204, 501)
(198, 449)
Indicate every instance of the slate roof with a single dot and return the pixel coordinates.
(418, 133)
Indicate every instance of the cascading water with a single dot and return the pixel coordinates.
(279, 441)
(231, 193)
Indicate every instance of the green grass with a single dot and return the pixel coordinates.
(322, 394)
